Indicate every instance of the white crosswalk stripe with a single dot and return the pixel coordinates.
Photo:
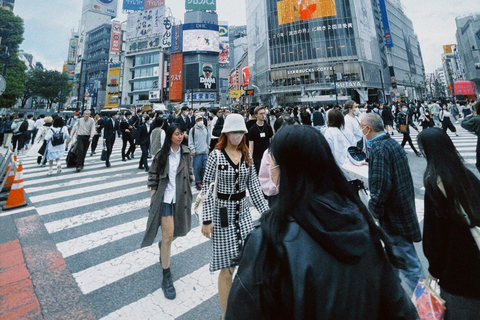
(97, 218)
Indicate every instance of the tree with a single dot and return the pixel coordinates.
(11, 32)
(30, 85)
(52, 86)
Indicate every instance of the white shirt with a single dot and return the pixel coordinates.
(39, 123)
(339, 141)
(31, 125)
(174, 158)
(352, 124)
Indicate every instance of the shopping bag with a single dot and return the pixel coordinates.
(103, 157)
(429, 304)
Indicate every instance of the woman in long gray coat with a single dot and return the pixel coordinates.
(170, 177)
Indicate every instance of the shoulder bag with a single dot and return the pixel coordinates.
(201, 197)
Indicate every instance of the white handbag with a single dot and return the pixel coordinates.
(198, 209)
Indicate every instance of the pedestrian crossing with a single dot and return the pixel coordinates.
(97, 219)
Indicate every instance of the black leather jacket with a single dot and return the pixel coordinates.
(337, 272)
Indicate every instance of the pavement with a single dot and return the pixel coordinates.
(74, 251)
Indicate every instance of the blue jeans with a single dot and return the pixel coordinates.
(406, 250)
(199, 166)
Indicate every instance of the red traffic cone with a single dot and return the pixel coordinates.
(16, 197)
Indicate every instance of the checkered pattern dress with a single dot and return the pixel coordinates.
(227, 242)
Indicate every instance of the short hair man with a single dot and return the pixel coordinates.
(259, 136)
(85, 129)
(392, 195)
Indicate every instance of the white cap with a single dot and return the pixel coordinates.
(234, 123)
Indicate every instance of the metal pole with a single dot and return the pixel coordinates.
(383, 86)
(79, 87)
(335, 85)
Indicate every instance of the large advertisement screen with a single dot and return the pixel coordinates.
(300, 10)
(176, 78)
(200, 37)
(200, 5)
(145, 23)
(107, 7)
(202, 76)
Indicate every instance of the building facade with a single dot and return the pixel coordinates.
(330, 52)
(7, 4)
(468, 38)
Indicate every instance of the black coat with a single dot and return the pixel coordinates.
(338, 269)
(143, 135)
(110, 128)
(183, 124)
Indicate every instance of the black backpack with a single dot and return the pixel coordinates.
(23, 127)
(57, 138)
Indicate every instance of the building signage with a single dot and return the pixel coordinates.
(386, 24)
(176, 79)
(154, 95)
(236, 93)
(200, 96)
(107, 7)
(149, 4)
(310, 31)
(142, 45)
(200, 5)
(349, 85)
(113, 85)
(140, 5)
(146, 23)
(72, 51)
(167, 34)
(116, 38)
(309, 70)
(295, 10)
(177, 39)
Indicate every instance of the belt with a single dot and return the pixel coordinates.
(231, 197)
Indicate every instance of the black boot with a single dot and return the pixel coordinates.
(167, 285)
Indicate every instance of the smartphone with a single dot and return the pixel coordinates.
(223, 217)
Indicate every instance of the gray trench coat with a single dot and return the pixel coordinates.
(158, 179)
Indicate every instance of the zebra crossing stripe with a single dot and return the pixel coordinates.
(89, 217)
(96, 239)
(77, 203)
(108, 272)
(192, 290)
(83, 190)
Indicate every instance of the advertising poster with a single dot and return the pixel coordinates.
(72, 51)
(107, 7)
(200, 5)
(135, 5)
(145, 23)
(224, 56)
(200, 37)
(116, 38)
(191, 76)
(447, 48)
(207, 76)
(386, 23)
(245, 76)
(176, 79)
(177, 38)
(366, 28)
(113, 85)
(167, 33)
(300, 10)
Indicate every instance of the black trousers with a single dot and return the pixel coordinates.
(109, 143)
(95, 142)
(82, 148)
(407, 138)
(127, 138)
(143, 159)
(18, 139)
(447, 124)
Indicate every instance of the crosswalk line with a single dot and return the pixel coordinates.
(108, 272)
(96, 239)
(83, 190)
(89, 217)
(76, 203)
(192, 290)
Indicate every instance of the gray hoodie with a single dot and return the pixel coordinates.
(199, 140)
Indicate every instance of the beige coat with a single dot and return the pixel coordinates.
(158, 179)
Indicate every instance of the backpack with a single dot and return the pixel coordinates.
(57, 138)
(23, 127)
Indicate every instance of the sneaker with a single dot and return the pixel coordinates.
(59, 168)
(167, 286)
(198, 186)
(79, 169)
(50, 172)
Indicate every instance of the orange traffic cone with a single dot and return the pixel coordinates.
(10, 178)
(16, 198)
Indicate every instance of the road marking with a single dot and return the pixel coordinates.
(93, 240)
(108, 272)
(192, 290)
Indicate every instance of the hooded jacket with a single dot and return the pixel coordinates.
(336, 269)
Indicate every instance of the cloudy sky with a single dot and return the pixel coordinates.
(48, 24)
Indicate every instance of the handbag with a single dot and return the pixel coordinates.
(43, 148)
(201, 197)
(103, 157)
(429, 304)
(359, 188)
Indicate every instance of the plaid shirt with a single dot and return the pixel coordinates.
(391, 187)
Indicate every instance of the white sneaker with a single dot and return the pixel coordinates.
(50, 172)
(59, 168)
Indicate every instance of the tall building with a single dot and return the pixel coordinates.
(7, 4)
(332, 50)
(468, 38)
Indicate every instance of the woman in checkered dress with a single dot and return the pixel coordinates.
(226, 215)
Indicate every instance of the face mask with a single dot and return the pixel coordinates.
(357, 112)
(404, 110)
(235, 138)
(202, 114)
(200, 124)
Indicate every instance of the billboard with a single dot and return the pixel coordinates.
(113, 85)
(140, 5)
(145, 23)
(448, 48)
(245, 76)
(224, 56)
(300, 10)
(200, 37)
(177, 38)
(116, 37)
(386, 23)
(72, 51)
(200, 5)
(167, 33)
(207, 73)
(107, 7)
(176, 79)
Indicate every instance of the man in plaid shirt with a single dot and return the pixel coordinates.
(392, 200)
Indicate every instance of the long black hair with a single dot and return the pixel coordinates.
(461, 185)
(165, 150)
(307, 169)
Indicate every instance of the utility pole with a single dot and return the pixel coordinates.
(335, 85)
(384, 95)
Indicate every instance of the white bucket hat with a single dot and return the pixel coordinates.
(234, 123)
